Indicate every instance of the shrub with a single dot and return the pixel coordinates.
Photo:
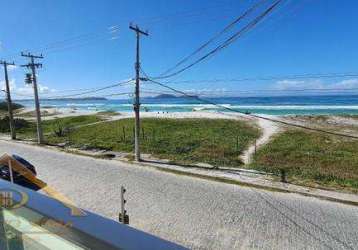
(3, 106)
(59, 129)
(19, 124)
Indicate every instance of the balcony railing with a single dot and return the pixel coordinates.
(30, 220)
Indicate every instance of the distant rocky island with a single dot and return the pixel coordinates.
(168, 96)
(77, 99)
(163, 96)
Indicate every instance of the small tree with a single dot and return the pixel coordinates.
(60, 130)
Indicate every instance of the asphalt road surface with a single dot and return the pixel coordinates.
(193, 212)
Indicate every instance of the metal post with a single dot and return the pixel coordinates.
(123, 190)
(237, 143)
(10, 171)
(123, 217)
(283, 175)
(255, 146)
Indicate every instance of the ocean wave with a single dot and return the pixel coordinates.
(209, 106)
(218, 106)
(296, 107)
(84, 104)
(251, 107)
(173, 105)
(184, 105)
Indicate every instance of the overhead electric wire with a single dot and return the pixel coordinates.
(180, 14)
(125, 93)
(72, 46)
(269, 78)
(253, 115)
(108, 95)
(92, 91)
(277, 90)
(227, 42)
(227, 28)
(73, 90)
(71, 41)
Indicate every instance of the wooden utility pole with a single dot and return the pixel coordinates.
(8, 97)
(32, 65)
(136, 104)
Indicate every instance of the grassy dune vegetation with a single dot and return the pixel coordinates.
(217, 142)
(51, 126)
(311, 158)
(3, 106)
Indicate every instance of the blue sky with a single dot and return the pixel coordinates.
(302, 36)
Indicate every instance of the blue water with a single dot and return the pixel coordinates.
(280, 105)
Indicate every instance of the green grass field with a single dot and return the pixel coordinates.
(49, 126)
(217, 142)
(311, 158)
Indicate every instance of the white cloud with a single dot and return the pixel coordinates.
(28, 89)
(315, 84)
(12, 85)
(206, 91)
(11, 67)
(25, 90)
(298, 84)
(346, 84)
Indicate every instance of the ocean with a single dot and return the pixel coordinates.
(279, 105)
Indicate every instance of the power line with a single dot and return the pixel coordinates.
(130, 93)
(253, 115)
(69, 47)
(81, 37)
(180, 14)
(227, 42)
(269, 78)
(227, 28)
(92, 91)
(24, 95)
(61, 45)
(73, 90)
(271, 90)
(71, 42)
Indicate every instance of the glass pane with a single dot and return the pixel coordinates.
(23, 233)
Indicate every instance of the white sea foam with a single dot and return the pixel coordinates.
(211, 106)
(84, 104)
(173, 105)
(296, 107)
(264, 107)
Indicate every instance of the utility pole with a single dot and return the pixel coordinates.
(136, 104)
(32, 65)
(8, 97)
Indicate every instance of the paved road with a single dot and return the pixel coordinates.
(196, 213)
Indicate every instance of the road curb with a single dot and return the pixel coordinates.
(269, 186)
(249, 184)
